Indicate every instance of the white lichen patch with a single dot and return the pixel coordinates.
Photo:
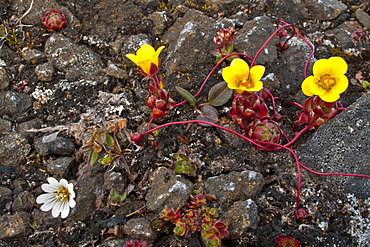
(178, 187)
(43, 95)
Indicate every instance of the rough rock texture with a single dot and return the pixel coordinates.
(167, 189)
(13, 149)
(343, 145)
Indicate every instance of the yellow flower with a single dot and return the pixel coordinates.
(240, 78)
(147, 59)
(328, 79)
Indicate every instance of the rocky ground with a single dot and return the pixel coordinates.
(77, 79)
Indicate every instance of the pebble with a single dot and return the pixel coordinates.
(59, 146)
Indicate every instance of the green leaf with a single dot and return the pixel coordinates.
(106, 160)
(93, 157)
(109, 140)
(219, 94)
(188, 96)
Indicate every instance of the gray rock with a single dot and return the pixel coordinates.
(140, 228)
(32, 124)
(343, 145)
(14, 226)
(44, 71)
(60, 166)
(13, 149)
(5, 125)
(23, 202)
(341, 35)
(114, 71)
(113, 243)
(4, 78)
(158, 19)
(88, 192)
(5, 197)
(362, 17)
(152, 3)
(33, 55)
(167, 188)
(252, 36)
(115, 179)
(14, 104)
(59, 146)
(241, 217)
(189, 43)
(235, 186)
(76, 61)
(324, 10)
(133, 43)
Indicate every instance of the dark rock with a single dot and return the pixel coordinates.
(76, 61)
(5, 197)
(87, 194)
(167, 188)
(362, 17)
(114, 71)
(189, 43)
(45, 220)
(44, 72)
(341, 35)
(132, 43)
(241, 217)
(5, 125)
(324, 10)
(33, 55)
(59, 146)
(159, 19)
(14, 226)
(252, 36)
(14, 104)
(115, 179)
(4, 78)
(60, 166)
(13, 149)
(113, 243)
(23, 202)
(343, 145)
(31, 124)
(140, 228)
(235, 186)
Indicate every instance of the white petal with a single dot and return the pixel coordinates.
(56, 209)
(72, 203)
(70, 189)
(44, 198)
(65, 210)
(49, 205)
(53, 181)
(50, 187)
(63, 182)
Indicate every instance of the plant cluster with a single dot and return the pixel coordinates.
(197, 218)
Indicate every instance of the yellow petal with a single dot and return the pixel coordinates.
(229, 77)
(331, 66)
(256, 72)
(329, 97)
(145, 51)
(341, 85)
(240, 67)
(239, 91)
(156, 56)
(321, 67)
(339, 65)
(305, 85)
(257, 86)
(133, 58)
(315, 88)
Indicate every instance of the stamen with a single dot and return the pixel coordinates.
(62, 194)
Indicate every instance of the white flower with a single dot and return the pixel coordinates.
(59, 197)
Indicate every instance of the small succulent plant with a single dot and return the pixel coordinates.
(283, 241)
(54, 20)
(316, 112)
(197, 217)
(137, 243)
(265, 130)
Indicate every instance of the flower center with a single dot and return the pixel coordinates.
(326, 82)
(62, 194)
(245, 82)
